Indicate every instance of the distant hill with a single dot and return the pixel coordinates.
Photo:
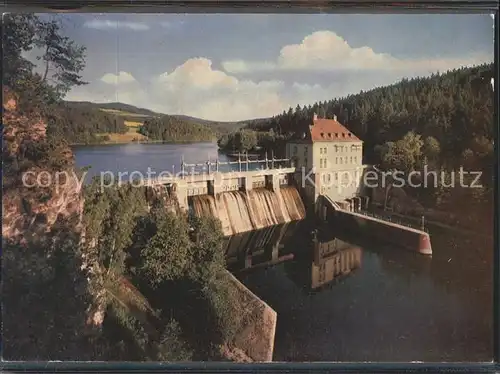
(83, 122)
(118, 107)
(220, 126)
(133, 113)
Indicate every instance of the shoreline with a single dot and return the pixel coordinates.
(141, 142)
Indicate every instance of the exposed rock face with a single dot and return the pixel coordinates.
(41, 193)
(36, 195)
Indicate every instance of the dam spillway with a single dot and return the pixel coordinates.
(242, 211)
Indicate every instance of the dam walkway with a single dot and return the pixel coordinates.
(381, 228)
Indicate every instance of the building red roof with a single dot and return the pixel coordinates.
(330, 130)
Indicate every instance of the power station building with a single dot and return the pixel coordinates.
(329, 160)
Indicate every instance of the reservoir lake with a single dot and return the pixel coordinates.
(393, 306)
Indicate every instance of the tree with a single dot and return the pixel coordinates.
(207, 255)
(404, 154)
(165, 257)
(174, 129)
(61, 56)
(245, 140)
(172, 348)
(431, 149)
(17, 37)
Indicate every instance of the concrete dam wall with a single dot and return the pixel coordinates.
(242, 211)
(385, 231)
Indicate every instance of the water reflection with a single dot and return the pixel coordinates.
(324, 261)
(350, 299)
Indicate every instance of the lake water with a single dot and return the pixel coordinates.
(129, 158)
(393, 306)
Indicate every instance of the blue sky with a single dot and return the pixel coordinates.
(236, 67)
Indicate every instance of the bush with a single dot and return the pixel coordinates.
(172, 347)
(165, 257)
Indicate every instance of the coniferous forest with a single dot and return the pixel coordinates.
(454, 108)
(442, 122)
(173, 129)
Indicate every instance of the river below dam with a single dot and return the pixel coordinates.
(344, 298)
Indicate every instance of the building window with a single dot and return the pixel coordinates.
(355, 158)
(305, 150)
(320, 150)
(305, 161)
(346, 159)
(336, 176)
(351, 159)
(324, 163)
(295, 150)
(336, 160)
(341, 160)
(321, 163)
(329, 177)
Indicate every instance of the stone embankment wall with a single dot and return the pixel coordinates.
(255, 337)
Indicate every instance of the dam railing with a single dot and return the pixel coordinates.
(210, 169)
(389, 218)
(239, 165)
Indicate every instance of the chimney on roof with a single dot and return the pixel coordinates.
(334, 117)
(315, 117)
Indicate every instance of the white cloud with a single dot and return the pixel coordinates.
(197, 73)
(241, 66)
(198, 89)
(327, 51)
(121, 78)
(171, 24)
(106, 24)
(194, 88)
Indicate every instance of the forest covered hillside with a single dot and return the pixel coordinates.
(83, 122)
(443, 124)
(455, 108)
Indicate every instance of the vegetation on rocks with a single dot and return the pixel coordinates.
(175, 261)
(90, 275)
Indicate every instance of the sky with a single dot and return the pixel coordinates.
(231, 67)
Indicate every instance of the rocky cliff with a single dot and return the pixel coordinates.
(46, 290)
(41, 187)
